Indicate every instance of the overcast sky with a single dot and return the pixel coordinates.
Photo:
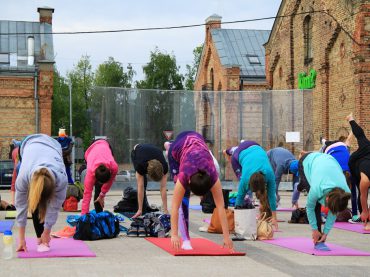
(135, 47)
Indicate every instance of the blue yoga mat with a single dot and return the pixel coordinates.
(195, 207)
(6, 225)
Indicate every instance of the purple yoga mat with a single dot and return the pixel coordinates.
(281, 209)
(6, 225)
(358, 227)
(195, 207)
(305, 245)
(58, 248)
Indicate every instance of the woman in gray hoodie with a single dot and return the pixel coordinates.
(40, 187)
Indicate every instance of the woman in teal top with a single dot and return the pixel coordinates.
(327, 186)
(257, 174)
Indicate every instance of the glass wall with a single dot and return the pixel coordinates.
(131, 116)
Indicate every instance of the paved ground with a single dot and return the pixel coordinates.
(136, 257)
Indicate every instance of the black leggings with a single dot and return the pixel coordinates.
(39, 227)
(318, 216)
(97, 206)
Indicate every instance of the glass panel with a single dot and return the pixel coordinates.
(4, 58)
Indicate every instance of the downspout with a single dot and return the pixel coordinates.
(36, 98)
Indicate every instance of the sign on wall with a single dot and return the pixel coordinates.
(307, 81)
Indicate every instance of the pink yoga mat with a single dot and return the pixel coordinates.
(201, 247)
(58, 248)
(358, 227)
(305, 245)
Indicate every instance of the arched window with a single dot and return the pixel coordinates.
(307, 37)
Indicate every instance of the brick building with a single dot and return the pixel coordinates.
(26, 78)
(332, 37)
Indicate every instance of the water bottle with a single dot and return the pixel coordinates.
(8, 245)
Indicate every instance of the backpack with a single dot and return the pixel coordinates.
(95, 226)
(265, 231)
(70, 204)
(344, 216)
(299, 216)
(128, 204)
(76, 190)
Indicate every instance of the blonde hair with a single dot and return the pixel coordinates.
(42, 189)
(155, 170)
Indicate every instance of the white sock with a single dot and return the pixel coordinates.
(43, 248)
(186, 245)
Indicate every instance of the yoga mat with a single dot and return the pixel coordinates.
(195, 207)
(201, 247)
(6, 225)
(305, 245)
(281, 209)
(358, 227)
(13, 215)
(58, 248)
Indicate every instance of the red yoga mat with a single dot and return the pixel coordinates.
(201, 247)
(358, 227)
(58, 248)
(305, 245)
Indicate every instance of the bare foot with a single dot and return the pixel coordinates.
(349, 117)
(367, 226)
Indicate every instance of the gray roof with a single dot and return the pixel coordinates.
(13, 41)
(240, 47)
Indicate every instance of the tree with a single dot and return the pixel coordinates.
(161, 72)
(82, 78)
(191, 70)
(111, 74)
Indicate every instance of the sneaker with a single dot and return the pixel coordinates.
(141, 231)
(321, 246)
(10, 207)
(66, 232)
(355, 219)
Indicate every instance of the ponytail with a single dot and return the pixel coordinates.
(258, 185)
(42, 189)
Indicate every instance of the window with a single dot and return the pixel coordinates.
(4, 58)
(307, 37)
(253, 59)
(212, 80)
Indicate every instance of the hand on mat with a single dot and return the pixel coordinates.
(175, 242)
(22, 246)
(228, 244)
(275, 223)
(138, 213)
(100, 200)
(316, 235)
(45, 237)
(323, 238)
(364, 216)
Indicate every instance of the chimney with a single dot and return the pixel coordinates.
(31, 50)
(213, 22)
(46, 14)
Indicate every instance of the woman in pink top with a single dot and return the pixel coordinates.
(101, 172)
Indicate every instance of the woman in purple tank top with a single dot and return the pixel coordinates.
(193, 170)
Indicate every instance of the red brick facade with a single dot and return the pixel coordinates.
(342, 63)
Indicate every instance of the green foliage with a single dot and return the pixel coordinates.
(111, 74)
(161, 72)
(60, 106)
(191, 70)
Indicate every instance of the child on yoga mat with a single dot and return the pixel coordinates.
(193, 169)
(359, 165)
(326, 185)
(251, 163)
(100, 173)
(40, 187)
(149, 160)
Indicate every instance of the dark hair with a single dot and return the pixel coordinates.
(257, 184)
(342, 138)
(155, 170)
(102, 174)
(338, 200)
(200, 183)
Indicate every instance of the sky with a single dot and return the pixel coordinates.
(135, 47)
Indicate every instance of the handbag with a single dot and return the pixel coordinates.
(265, 230)
(246, 223)
(215, 225)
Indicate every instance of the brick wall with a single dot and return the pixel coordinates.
(342, 83)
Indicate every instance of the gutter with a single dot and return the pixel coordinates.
(36, 98)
